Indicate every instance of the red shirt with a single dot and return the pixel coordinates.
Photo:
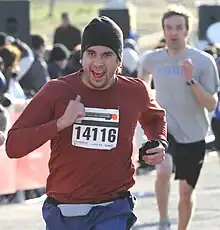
(77, 174)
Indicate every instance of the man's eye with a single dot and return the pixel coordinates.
(91, 54)
(107, 55)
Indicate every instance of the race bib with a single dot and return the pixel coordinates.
(97, 130)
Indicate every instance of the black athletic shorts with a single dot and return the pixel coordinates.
(215, 124)
(187, 158)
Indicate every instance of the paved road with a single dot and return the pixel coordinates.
(207, 215)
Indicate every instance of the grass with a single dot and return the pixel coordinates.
(145, 18)
(41, 23)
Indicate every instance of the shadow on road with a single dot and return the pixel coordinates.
(151, 224)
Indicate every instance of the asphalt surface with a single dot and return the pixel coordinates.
(206, 216)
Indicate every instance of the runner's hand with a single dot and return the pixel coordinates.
(155, 155)
(187, 68)
(74, 110)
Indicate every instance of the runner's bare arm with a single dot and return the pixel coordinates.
(205, 90)
(35, 126)
(205, 99)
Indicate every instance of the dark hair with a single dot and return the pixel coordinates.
(3, 37)
(161, 44)
(178, 10)
(37, 41)
(64, 15)
(132, 44)
(59, 53)
(8, 57)
(212, 50)
(1, 64)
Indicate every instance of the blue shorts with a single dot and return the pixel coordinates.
(116, 216)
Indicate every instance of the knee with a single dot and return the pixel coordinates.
(186, 192)
(163, 176)
(164, 171)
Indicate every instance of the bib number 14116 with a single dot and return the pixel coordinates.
(94, 134)
(97, 130)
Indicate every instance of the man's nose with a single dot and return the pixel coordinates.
(173, 32)
(98, 61)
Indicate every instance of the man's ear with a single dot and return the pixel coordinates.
(187, 34)
(119, 62)
(119, 70)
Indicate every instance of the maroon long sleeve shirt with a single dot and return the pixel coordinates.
(79, 174)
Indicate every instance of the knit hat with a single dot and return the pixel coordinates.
(103, 31)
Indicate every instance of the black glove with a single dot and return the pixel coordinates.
(150, 145)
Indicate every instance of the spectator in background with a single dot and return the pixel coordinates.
(2, 78)
(1, 65)
(26, 54)
(8, 60)
(58, 61)
(27, 57)
(211, 49)
(215, 124)
(4, 119)
(38, 74)
(130, 58)
(161, 44)
(67, 34)
(74, 63)
(215, 121)
(218, 64)
(2, 39)
(133, 35)
(11, 56)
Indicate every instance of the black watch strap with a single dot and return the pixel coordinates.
(191, 82)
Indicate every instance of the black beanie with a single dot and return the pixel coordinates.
(103, 31)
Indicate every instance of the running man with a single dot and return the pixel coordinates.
(186, 82)
(90, 117)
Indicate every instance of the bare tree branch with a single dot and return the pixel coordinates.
(51, 8)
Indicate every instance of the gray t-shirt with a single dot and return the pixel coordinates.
(187, 120)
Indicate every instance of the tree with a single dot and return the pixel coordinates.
(51, 8)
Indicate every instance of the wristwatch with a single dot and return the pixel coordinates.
(193, 81)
